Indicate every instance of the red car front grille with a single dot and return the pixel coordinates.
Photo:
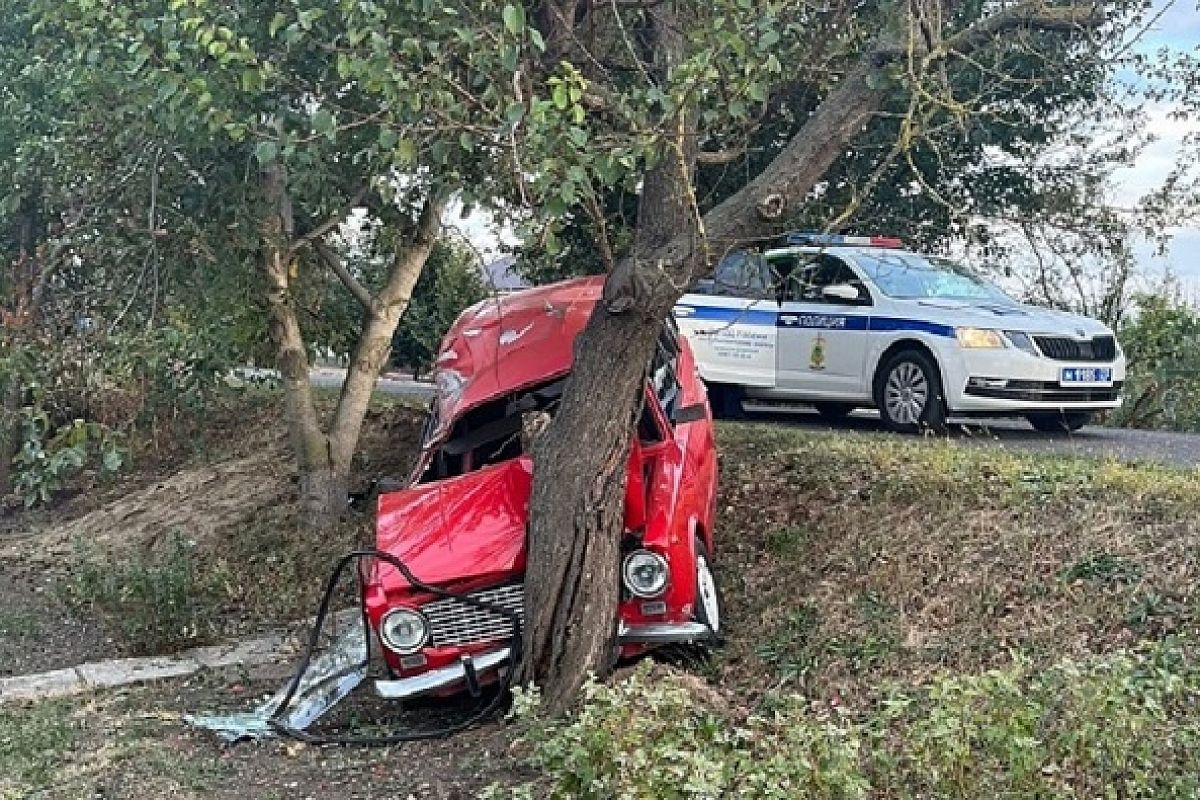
(454, 623)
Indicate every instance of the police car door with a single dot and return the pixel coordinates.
(823, 336)
(730, 322)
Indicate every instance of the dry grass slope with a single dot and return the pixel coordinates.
(852, 559)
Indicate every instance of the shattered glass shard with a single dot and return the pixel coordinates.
(331, 675)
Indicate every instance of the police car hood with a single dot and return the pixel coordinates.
(1009, 317)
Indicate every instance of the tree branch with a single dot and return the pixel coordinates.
(352, 284)
(1030, 15)
(758, 210)
(402, 277)
(328, 225)
(718, 158)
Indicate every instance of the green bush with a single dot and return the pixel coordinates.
(156, 604)
(74, 406)
(1162, 344)
(1126, 725)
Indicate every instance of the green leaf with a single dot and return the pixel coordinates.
(266, 152)
(308, 18)
(535, 36)
(514, 19)
(559, 95)
(277, 22)
(324, 123)
(406, 151)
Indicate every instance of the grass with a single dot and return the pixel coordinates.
(34, 741)
(19, 624)
(155, 603)
(918, 616)
(853, 558)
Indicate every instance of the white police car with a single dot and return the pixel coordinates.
(844, 322)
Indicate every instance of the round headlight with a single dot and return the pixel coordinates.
(404, 631)
(645, 573)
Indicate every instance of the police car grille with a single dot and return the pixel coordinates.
(453, 622)
(1062, 348)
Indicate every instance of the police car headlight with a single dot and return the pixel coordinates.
(645, 573)
(404, 630)
(979, 338)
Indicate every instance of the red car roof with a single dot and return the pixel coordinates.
(505, 344)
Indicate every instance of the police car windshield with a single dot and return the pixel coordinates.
(907, 276)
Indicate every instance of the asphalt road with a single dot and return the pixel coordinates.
(1177, 449)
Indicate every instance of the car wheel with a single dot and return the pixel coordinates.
(1061, 422)
(908, 392)
(708, 606)
(833, 411)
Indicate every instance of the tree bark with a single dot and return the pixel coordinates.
(382, 315)
(322, 489)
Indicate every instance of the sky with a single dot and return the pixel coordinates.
(1178, 28)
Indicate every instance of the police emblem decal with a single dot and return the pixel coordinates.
(816, 359)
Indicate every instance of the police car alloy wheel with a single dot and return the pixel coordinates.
(1059, 422)
(908, 392)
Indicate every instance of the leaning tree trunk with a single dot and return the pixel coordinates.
(572, 582)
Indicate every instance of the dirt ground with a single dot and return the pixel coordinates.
(133, 744)
(228, 505)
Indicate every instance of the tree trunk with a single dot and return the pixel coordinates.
(323, 487)
(575, 529)
(324, 460)
(571, 586)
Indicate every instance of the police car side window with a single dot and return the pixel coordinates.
(808, 282)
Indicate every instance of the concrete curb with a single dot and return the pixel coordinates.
(125, 671)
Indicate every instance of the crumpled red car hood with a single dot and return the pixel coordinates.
(458, 530)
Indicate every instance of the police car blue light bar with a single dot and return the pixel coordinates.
(814, 239)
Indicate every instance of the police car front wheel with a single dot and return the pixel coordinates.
(908, 392)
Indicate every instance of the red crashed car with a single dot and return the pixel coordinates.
(460, 525)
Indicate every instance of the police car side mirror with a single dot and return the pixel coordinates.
(841, 291)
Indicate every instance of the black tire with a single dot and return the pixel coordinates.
(833, 411)
(726, 401)
(1059, 421)
(916, 411)
(710, 611)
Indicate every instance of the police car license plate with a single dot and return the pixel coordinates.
(1086, 376)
